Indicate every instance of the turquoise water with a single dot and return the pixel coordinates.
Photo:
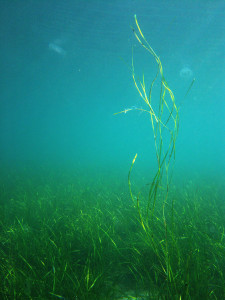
(66, 69)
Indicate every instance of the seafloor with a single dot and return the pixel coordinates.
(70, 234)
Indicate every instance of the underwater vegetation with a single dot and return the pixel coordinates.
(66, 235)
(77, 239)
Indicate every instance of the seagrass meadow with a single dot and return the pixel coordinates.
(69, 237)
(129, 204)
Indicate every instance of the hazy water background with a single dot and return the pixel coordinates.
(65, 72)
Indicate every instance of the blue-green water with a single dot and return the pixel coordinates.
(59, 107)
(66, 69)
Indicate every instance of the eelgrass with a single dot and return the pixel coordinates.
(100, 251)
(164, 124)
(159, 232)
(63, 237)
